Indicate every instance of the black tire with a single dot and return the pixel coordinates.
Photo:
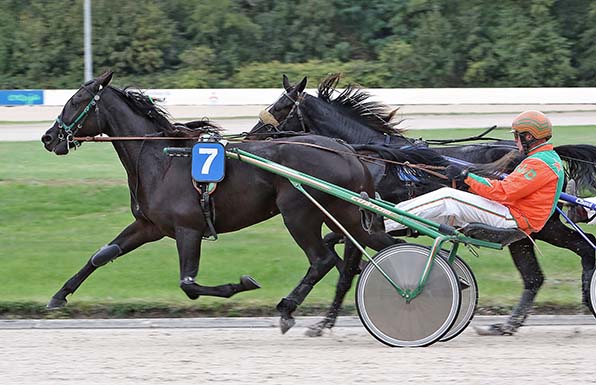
(469, 297)
(592, 294)
(387, 315)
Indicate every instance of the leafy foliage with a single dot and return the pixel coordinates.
(250, 43)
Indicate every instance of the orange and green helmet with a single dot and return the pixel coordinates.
(534, 122)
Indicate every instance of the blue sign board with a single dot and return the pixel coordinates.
(208, 161)
(20, 97)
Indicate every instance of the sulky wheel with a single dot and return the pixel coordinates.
(388, 316)
(592, 291)
(469, 297)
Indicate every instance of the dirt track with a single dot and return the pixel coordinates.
(538, 354)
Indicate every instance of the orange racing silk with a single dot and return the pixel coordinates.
(530, 192)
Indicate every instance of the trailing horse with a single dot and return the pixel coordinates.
(352, 117)
(164, 202)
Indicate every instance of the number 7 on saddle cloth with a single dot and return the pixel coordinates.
(208, 162)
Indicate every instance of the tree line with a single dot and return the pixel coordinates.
(250, 43)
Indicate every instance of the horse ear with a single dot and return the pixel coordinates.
(286, 83)
(302, 85)
(104, 79)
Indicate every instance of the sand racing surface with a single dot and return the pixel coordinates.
(539, 354)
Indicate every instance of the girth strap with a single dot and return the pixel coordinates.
(207, 208)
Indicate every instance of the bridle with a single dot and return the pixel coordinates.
(67, 132)
(268, 120)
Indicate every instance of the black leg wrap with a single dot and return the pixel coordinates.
(520, 313)
(299, 293)
(106, 254)
(586, 279)
(286, 305)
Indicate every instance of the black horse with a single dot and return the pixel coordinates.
(164, 202)
(351, 116)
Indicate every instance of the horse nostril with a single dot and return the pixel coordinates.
(46, 139)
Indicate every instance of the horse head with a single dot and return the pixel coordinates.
(350, 115)
(278, 115)
(74, 120)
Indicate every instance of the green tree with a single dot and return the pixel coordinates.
(221, 26)
(297, 31)
(526, 49)
(424, 58)
(8, 27)
(360, 27)
(133, 41)
(48, 52)
(586, 57)
(195, 67)
(225, 43)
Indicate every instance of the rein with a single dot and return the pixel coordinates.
(127, 138)
(424, 167)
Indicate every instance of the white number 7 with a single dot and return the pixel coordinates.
(212, 152)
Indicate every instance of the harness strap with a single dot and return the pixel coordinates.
(207, 208)
(425, 167)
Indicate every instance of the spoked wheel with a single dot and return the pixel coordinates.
(592, 291)
(387, 315)
(469, 297)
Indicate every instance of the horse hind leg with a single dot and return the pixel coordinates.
(526, 263)
(557, 234)
(188, 242)
(133, 236)
(352, 258)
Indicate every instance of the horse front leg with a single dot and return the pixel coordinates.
(305, 228)
(134, 235)
(526, 263)
(321, 262)
(352, 266)
(188, 242)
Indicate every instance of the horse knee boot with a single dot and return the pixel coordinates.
(106, 254)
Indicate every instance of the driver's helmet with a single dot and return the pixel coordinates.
(534, 122)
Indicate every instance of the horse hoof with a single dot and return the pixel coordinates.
(314, 331)
(286, 324)
(56, 303)
(249, 283)
(494, 330)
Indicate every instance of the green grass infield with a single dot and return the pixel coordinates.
(55, 212)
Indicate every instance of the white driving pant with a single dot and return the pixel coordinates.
(456, 208)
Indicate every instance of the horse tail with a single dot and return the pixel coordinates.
(580, 164)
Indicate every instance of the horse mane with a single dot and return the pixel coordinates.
(499, 167)
(145, 106)
(355, 100)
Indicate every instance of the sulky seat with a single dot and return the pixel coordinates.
(492, 234)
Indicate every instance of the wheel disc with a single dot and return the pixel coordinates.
(387, 315)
